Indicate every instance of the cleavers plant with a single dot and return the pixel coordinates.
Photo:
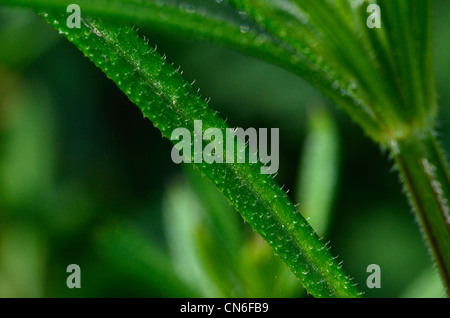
(382, 77)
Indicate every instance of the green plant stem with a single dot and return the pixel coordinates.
(427, 180)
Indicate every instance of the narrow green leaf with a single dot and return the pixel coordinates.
(316, 34)
(391, 69)
(185, 21)
(183, 220)
(222, 269)
(169, 102)
(382, 71)
(264, 273)
(222, 218)
(162, 15)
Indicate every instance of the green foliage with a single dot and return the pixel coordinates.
(368, 77)
(383, 78)
(169, 102)
(318, 171)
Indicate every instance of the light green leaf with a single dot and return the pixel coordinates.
(318, 173)
(183, 219)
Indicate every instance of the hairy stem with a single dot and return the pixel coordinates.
(427, 180)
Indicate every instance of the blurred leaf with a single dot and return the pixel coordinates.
(223, 219)
(22, 261)
(221, 268)
(265, 275)
(426, 285)
(183, 220)
(220, 238)
(318, 173)
(26, 165)
(388, 72)
(361, 76)
(245, 35)
(181, 19)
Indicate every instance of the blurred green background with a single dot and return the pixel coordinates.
(85, 180)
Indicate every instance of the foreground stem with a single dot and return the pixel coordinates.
(427, 179)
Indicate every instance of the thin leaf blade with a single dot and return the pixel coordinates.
(169, 102)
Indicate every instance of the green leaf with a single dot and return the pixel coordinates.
(378, 76)
(162, 15)
(183, 220)
(318, 174)
(27, 156)
(169, 102)
(221, 218)
(389, 74)
(220, 239)
(383, 78)
(315, 34)
(180, 20)
(242, 35)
